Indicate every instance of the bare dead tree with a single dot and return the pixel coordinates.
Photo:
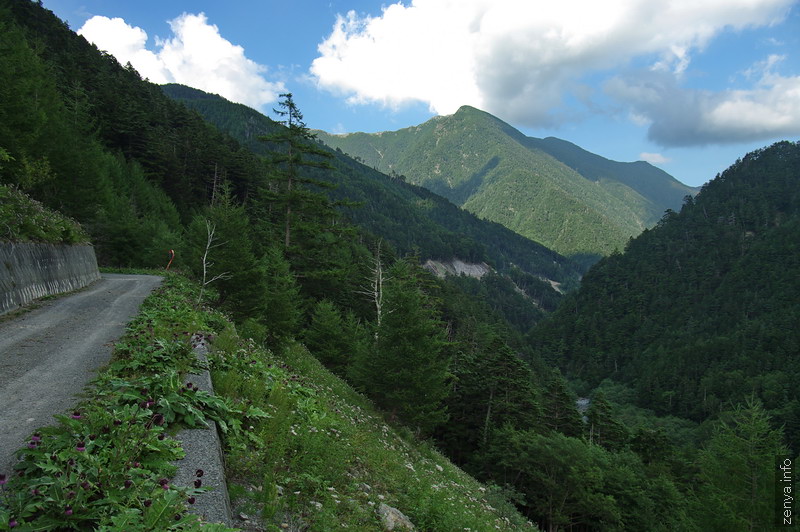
(374, 288)
(211, 243)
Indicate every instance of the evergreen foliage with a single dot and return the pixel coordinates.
(738, 466)
(698, 312)
(407, 370)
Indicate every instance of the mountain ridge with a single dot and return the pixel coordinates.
(490, 168)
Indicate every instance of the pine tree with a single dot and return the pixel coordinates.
(406, 373)
(560, 412)
(282, 308)
(298, 153)
(738, 469)
(239, 278)
(602, 427)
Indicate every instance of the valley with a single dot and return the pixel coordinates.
(404, 319)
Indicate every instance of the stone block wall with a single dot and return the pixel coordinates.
(29, 271)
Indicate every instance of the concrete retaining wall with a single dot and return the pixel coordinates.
(29, 271)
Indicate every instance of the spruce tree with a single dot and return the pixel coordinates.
(406, 374)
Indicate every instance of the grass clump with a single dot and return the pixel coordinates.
(324, 459)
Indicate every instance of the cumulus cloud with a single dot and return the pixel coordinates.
(196, 55)
(518, 59)
(687, 117)
(653, 158)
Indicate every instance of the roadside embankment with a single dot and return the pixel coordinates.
(29, 271)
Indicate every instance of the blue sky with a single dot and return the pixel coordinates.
(689, 85)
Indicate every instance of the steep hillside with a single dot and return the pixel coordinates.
(410, 217)
(569, 200)
(701, 311)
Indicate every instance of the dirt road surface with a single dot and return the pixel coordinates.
(48, 355)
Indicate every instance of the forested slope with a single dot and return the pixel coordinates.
(410, 217)
(701, 311)
(555, 193)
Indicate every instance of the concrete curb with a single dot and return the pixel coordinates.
(204, 451)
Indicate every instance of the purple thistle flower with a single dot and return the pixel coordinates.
(128, 483)
(162, 436)
(2, 479)
(76, 415)
(191, 500)
(147, 503)
(31, 445)
(198, 483)
(68, 510)
(162, 481)
(80, 447)
(36, 437)
(198, 473)
(70, 494)
(12, 523)
(165, 486)
(85, 485)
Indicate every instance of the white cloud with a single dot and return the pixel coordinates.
(683, 117)
(653, 158)
(196, 55)
(518, 59)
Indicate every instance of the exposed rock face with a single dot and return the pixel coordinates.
(457, 267)
(394, 519)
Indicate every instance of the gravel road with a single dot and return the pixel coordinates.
(48, 355)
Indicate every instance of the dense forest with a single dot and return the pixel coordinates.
(684, 342)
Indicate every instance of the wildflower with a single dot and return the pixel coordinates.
(12, 523)
(147, 503)
(81, 446)
(85, 485)
(198, 473)
(76, 415)
(162, 481)
(128, 483)
(31, 445)
(158, 419)
(198, 483)
(68, 510)
(36, 437)
(162, 436)
(35, 492)
(70, 494)
(2, 479)
(191, 500)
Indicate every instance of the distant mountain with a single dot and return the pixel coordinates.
(411, 218)
(548, 190)
(702, 310)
